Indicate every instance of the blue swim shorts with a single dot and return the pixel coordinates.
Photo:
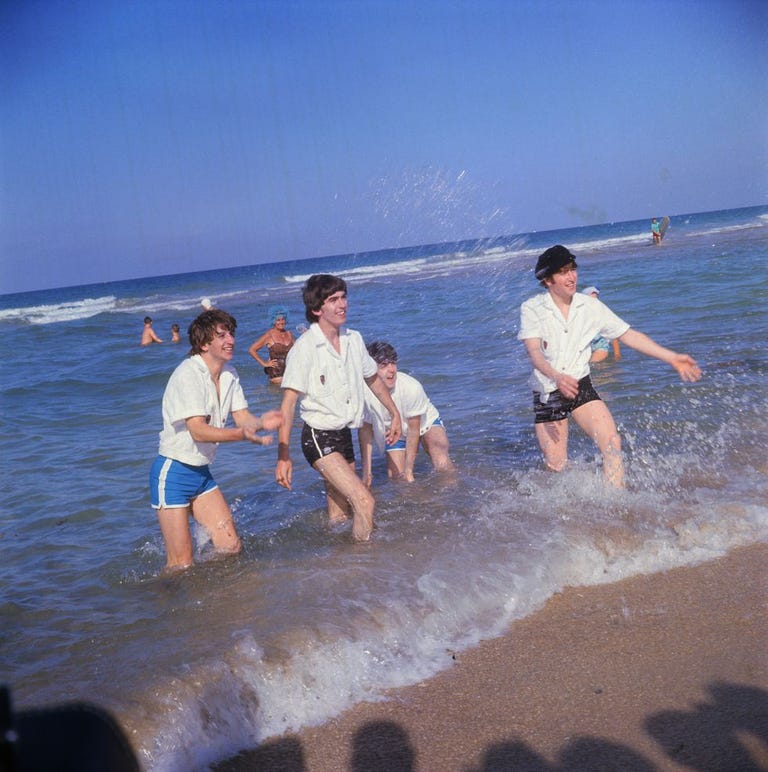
(400, 444)
(174, 484)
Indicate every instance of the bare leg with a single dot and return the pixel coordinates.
(174, 525)
(435, 442)
(213, 513)
(596, 420)
(345, 491)
(339, 510)
(553, 441)
(395, 464)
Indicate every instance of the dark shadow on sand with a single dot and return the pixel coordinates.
(716, 736)
(382, 746)
(72, 737)
(727, 734)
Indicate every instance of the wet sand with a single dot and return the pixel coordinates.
(660, 672)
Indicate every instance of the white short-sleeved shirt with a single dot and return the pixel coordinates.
(192, 392)
(411, 400)
(566, 344)
(332, 385)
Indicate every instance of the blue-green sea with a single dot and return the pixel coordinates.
(305, 623)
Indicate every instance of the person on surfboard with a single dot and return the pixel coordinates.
(656, 231)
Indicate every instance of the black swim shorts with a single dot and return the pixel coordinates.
(558, 407)
(316, 443)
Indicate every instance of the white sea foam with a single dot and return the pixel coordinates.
(248, 696)
(59, 312)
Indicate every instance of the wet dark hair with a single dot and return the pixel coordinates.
(203, 328)
(317, 289)
(382, 352)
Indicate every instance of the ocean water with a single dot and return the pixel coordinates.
(305, 622)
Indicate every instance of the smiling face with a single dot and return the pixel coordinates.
(562, 283)
(222, 347)
(333, 312)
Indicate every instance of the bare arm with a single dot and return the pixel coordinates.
(567, 385)
(365, 439)
(616, 349)
(685, 365)
(411, 446)
(284, 468)
(379, 388)
(256, 346)
(250, 424)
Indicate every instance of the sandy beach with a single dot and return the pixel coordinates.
(660, 672)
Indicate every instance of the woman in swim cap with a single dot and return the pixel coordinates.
(278, 341)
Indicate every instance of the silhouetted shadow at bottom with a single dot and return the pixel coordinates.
(731, 732)
(585, 754)
(727, 734)
(74, 737)
(381, 746)
(283, 755)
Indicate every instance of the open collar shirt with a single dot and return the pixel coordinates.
(190, 392)
(332, 384)
(566, 343)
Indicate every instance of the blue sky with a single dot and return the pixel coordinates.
(147, 138)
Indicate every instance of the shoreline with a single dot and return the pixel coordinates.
(666, 671)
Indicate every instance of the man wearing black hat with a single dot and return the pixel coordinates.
(557, 328)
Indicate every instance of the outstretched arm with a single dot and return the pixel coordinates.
(685, 365)
(251, 424)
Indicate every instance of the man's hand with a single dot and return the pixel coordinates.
(686, 367)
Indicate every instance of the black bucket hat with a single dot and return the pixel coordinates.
(552, 261)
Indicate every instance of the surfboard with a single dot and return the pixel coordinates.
(663, 227)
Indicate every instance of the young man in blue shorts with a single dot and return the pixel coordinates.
(557, 328)
(421, 422)
(327, 371)
(199, 396)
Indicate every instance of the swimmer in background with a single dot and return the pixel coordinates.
(421, 422)
(656, 231)
(601, 347)
(148, 335)
(278, 341)
(175, 336)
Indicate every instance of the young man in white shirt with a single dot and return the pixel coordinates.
(557, 328)
(327, 372)
(199, 396)
(421, 422)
